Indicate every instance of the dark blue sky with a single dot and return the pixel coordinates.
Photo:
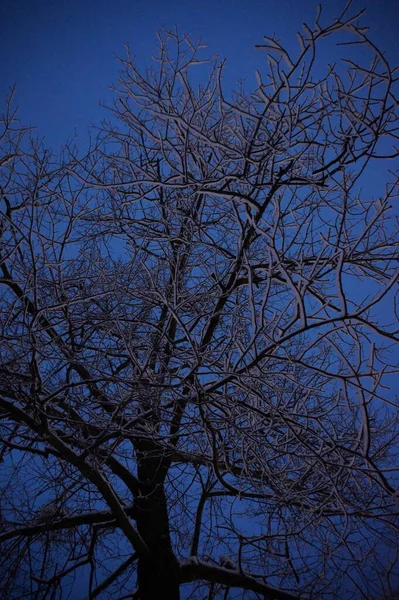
(60, 53)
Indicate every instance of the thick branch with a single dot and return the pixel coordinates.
(90, 518)
(193, 569)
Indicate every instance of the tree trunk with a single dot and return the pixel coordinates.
(159, 573)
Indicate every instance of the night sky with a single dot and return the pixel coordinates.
(61, 54)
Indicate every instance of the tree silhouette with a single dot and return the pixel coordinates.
(197, 331)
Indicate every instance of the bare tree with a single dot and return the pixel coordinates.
(198, 321)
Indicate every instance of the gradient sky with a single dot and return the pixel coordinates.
(60, 53)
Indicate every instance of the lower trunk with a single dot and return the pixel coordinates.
(158, 574)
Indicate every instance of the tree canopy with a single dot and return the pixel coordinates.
(198, 321)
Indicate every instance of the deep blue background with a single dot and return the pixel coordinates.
(60, 53)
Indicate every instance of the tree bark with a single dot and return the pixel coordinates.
(158, 573)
